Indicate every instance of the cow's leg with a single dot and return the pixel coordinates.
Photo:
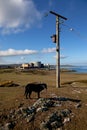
(26, 95)
(30, 94)
(38, 94)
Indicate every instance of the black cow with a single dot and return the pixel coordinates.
(34, 87)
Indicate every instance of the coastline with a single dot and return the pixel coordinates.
(75, 69)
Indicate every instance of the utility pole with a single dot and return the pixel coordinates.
(58, 47)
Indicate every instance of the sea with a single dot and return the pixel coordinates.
(77, 69)
(74, 69)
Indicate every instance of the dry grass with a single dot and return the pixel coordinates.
(11, 97)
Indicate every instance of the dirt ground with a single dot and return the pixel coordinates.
(73, 87)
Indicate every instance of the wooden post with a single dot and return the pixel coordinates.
(58, 16)
(57, 53)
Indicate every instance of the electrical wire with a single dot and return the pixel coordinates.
(75, 31)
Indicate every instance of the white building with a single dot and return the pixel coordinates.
(25, 66)
(37, 64)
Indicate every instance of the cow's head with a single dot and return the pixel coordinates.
(44, 85)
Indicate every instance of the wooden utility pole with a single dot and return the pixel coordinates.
(58, 47)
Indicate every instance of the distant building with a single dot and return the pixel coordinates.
(37, 64)
(31, 65)
(25, 66)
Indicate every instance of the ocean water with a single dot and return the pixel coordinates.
(75, 69)
(78, 69)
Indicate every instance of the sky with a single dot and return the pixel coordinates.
(26, 27)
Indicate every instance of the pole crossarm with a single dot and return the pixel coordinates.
(58, 15)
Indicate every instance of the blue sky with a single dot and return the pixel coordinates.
(26, 27)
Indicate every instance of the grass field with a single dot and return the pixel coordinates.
(73, 86)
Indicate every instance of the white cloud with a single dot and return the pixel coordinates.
(49, 50)
(17, 15)
(61, 56)
(12, 52)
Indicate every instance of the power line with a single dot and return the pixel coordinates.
(75, 31)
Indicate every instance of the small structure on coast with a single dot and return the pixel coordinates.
(37, 64)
